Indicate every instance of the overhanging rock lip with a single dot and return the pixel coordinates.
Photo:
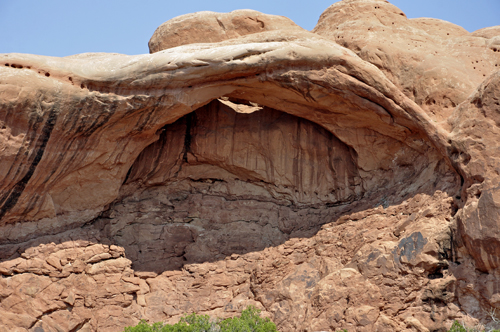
(252, 63)
(190, 65)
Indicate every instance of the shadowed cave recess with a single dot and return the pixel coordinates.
(219, 182)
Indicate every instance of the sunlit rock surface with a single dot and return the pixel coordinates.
(340, 178)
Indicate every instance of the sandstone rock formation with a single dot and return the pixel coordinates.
(340, 178)
(435, 63)
(210, 27)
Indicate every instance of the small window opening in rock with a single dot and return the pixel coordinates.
(240, 106)
(47, 74)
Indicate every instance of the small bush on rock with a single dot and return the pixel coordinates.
(249, 321)
(458, 327)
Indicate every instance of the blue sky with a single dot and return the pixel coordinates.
(65, 27)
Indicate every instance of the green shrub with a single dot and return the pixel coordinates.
(249, 321)
(457, 327)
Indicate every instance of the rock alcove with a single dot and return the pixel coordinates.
(343, 178)
(221, 181)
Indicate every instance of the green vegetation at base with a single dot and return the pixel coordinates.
(249, 321)
(458, 327)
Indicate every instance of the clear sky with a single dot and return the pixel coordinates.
(65, 27)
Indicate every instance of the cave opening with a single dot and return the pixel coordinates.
(231, 177)
(234, 177)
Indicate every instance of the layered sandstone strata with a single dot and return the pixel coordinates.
(331, 178)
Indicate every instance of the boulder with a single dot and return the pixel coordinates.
(211, 27)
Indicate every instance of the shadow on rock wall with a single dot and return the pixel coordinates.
(228, 209)
(235, 178)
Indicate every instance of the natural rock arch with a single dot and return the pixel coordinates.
(325, 79)
(79, 199)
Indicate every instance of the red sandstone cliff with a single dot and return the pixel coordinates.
(341, 178)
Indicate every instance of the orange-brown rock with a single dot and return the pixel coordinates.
(268, 166)
(435, 63)
(211, 27)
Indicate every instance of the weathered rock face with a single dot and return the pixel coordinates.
(210, 27)
(435, 63)
(233, 183)
(271, 167)
(290, 157)
(379, 269)
(475, 130)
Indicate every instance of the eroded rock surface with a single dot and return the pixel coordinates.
(211, 27)
(378, 269)
(434, 62)
(330, 178)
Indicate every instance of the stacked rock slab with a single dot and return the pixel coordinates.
(340, 178)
